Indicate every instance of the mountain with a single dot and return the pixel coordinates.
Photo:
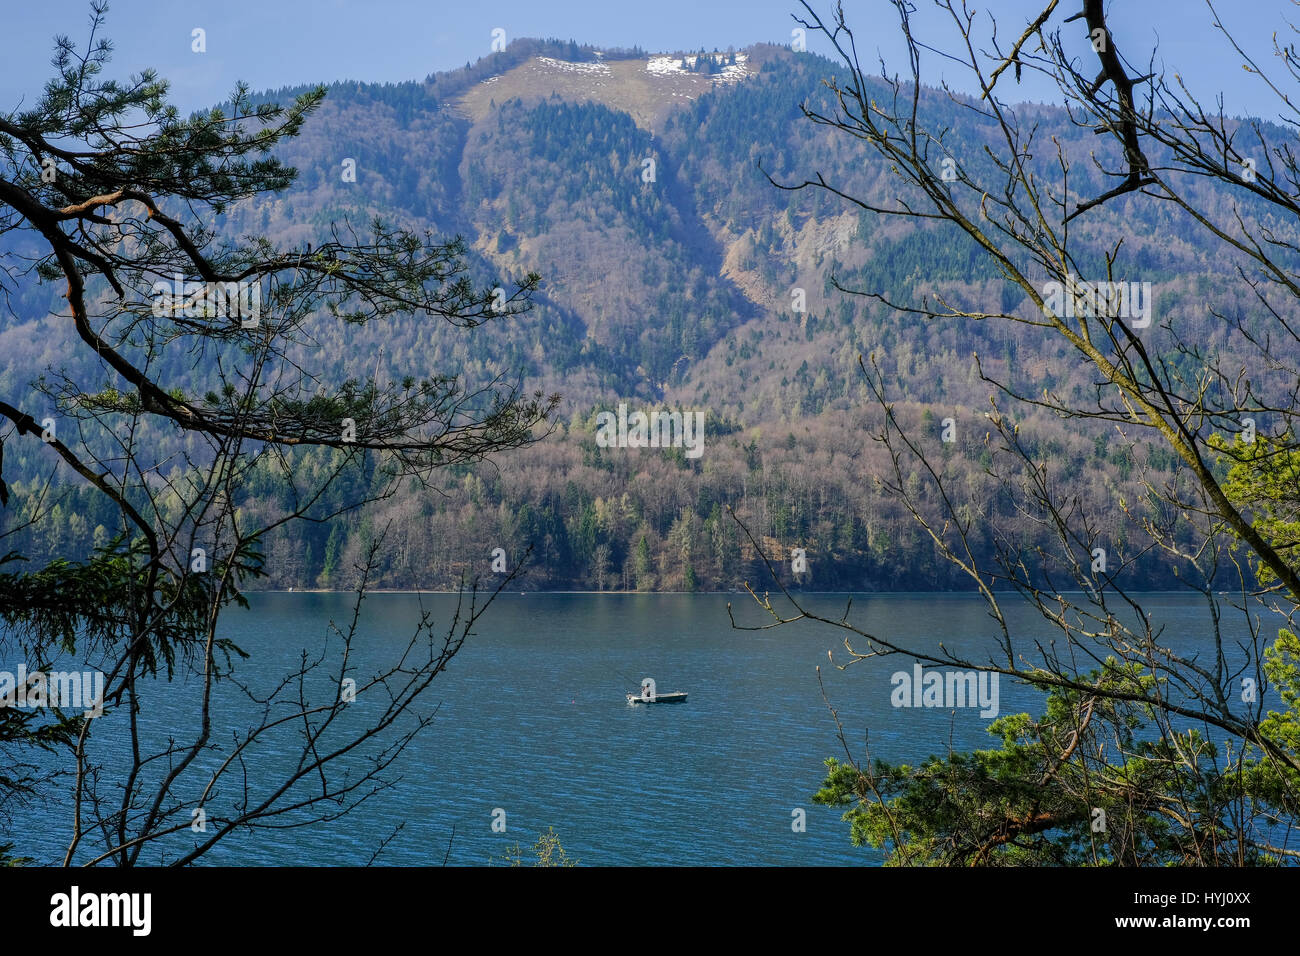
(638, 185)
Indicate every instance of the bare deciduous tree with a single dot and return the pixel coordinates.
(1133, 715)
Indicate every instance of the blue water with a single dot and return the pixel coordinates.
(532, 720)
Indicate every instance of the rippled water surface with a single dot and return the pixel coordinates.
(532, 719)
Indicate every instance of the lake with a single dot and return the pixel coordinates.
(532, 720)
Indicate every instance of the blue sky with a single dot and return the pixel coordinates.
(272, 43)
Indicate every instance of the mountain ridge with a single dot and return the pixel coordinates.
(679, 290)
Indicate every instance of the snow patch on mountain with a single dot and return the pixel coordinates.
(680, 65)
(569, 67)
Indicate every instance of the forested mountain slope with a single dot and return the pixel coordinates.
(637, 185)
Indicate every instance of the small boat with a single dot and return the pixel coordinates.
(676, 697)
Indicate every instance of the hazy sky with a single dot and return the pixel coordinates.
(272, 43)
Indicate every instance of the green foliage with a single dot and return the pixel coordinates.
(177, 425)
(548, 852)
(1162, 796)
(1263, 478)
(68, 606)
